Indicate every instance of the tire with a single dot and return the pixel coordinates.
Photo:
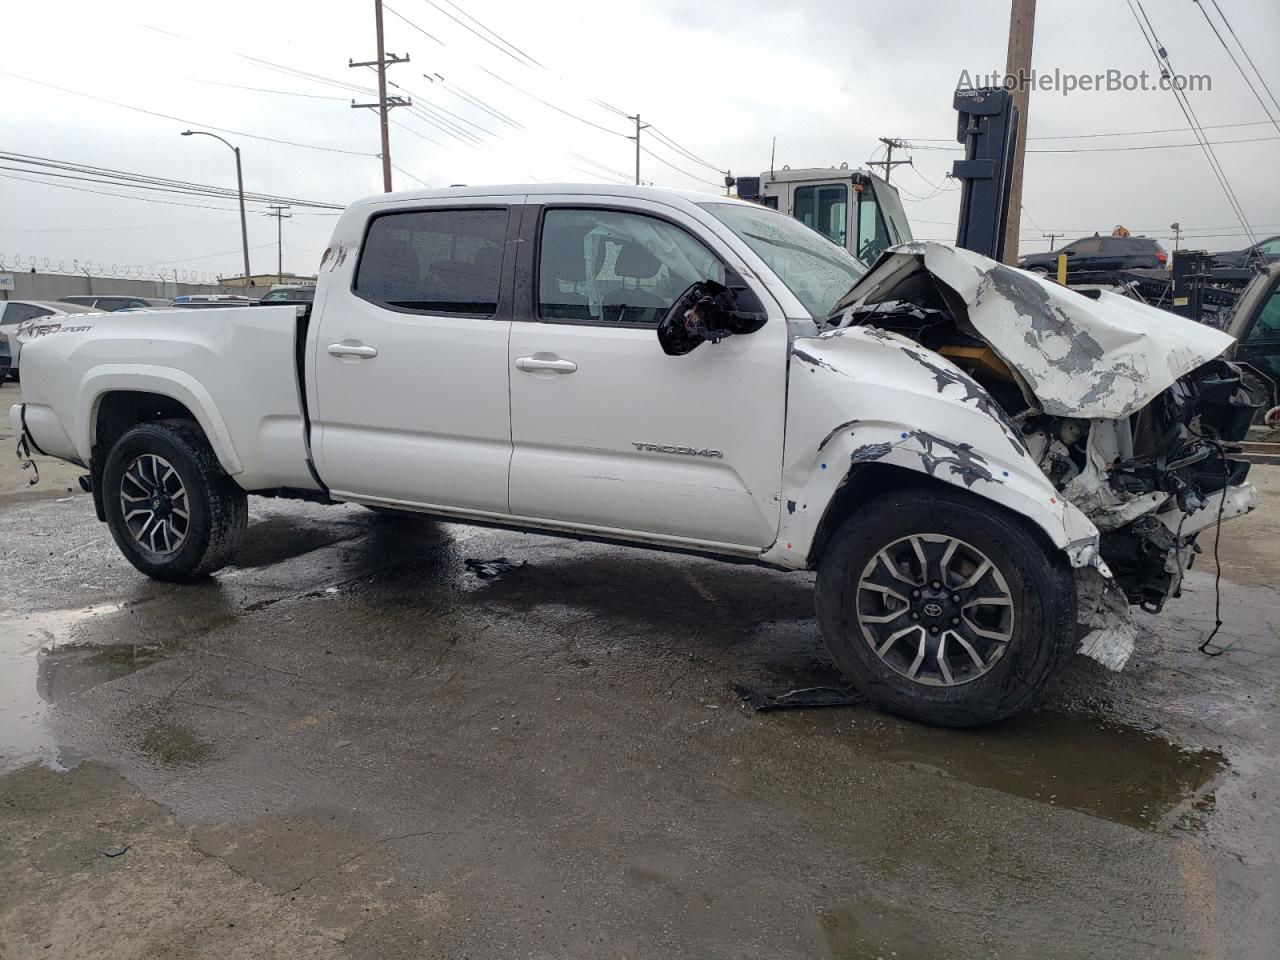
(961, 688)
(176, 454)
(1039, 271)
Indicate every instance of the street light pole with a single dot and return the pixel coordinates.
(244, 227)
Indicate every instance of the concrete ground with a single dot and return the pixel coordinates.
(350, 746)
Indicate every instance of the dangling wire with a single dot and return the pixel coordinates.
(1217, 649)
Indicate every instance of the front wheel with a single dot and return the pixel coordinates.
(173, 512)
(944, 608)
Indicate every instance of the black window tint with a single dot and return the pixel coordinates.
(1118, 245)
(21, 312)
(607, 266)
(1089, 245)
(436, 261)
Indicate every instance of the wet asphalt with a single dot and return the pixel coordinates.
(352, 745)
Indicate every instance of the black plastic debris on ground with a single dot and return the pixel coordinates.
(489, 569)
(803, 698)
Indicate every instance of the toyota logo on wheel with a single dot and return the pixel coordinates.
(932, 609)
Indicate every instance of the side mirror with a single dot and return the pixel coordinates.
(710, 311)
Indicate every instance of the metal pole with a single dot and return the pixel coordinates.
(382, 101)
(637, 149)
(279, 248)
(244, 227)
(1022, 22)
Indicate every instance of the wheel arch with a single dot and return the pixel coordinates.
(111, 397)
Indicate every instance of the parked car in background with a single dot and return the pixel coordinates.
(1098, 255)
(14, 313)
(114, 302)
(1264, 252)
(212, 300)
(6, 357)
(290, 293)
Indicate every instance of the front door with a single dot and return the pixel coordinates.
(609, 432)
(411, 392)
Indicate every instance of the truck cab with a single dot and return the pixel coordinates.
(853, 208)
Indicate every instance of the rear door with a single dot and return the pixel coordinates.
(411, 388)
(608, 431)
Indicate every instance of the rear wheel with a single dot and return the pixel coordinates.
(943, 608)
(172, 511)
(1039, 271)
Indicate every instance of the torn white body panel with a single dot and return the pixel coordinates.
(915, 410)
(1102, 607)
(1080, 357)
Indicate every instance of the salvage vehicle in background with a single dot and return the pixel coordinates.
(20, 318)
(974, 459)
(112, 303)
(1262, 253)
(1099, 254)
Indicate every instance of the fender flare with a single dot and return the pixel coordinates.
(166, 381)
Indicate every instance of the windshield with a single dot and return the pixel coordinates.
(817, 271)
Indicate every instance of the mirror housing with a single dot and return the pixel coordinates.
(710, 311)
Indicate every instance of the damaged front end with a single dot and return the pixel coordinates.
(1128, 410)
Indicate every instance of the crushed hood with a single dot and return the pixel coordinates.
(1079, 356)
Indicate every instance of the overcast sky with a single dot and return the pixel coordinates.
(826, 77)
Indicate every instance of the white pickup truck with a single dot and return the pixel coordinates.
(983, 467)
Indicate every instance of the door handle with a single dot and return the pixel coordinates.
(352, 348)
(535, 364)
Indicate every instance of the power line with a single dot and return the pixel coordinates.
(1247, 79)
(196, 123)
(525, 62)
(494, 33)
(546, 103)
(400, 16)
(1184, 104)
(283, 93)
(681, 150)
(1121, 149)
(131, 177)
(691, 176)
(1111, 133)
(1240, 44)
(121, 196)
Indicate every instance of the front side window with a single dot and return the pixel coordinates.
(434, 261)
(825, 209)
(607, 266)
(1272, 247)
(818, 272)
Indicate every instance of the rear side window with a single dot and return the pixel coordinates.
(22, 312)
(434, 261)
(1089, 245)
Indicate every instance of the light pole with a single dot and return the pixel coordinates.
(244, 228)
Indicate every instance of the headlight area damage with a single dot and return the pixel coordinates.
(1126, 409)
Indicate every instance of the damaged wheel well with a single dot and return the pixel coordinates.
(866, 481)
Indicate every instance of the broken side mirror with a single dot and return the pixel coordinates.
(710, 311)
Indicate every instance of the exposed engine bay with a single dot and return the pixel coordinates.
(1131, 415)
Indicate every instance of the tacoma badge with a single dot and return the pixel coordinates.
(672, 448)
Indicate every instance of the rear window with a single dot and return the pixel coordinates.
(434, 261)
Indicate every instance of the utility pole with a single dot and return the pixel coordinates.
(639, 126)
(384, 103)
(1177, 234)
(1052, 238)
(278, 211)
(888, 162)
(1022, 23)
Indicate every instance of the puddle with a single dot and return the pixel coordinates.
(1103, 768)
(40, 665)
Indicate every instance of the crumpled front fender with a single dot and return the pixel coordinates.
(900, 404)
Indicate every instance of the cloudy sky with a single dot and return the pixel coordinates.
(536, 92)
